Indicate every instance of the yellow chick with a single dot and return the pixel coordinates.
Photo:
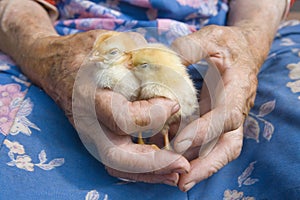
(109, 53)
(161, 74)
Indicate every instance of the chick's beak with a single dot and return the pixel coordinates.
(96, 57)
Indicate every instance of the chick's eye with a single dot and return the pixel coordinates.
(114, 52)
(144, 65)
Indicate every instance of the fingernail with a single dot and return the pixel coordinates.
(170, 182)
(188, 186)
(175, 108)
(183, 145)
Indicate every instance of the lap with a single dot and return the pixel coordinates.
(41, 155)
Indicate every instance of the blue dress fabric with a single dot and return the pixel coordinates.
(42, 157)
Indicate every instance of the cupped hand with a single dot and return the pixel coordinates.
(57, 60)
(215, 138)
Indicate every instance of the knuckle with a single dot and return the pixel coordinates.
(236, 150)
(215, 168)
(212, 28)
(236, 143)
(235, 118)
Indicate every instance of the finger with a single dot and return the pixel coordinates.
(192, 153)
(228, 104)
(169, 179)
(136, 158)
(125, 117)
(120, 153)
(228, 148)
(198, 45)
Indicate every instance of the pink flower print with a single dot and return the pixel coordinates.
(10, 92)
(6, 119)
(163, 25)
(10, 96)
(108, 24)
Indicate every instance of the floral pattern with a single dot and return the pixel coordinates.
(191, 3)
(23, 161)
(18, 128)
(94, 195)
(235, 195)
(295, 76)
(22, 124)
(10, 101)
(251, 125)
(287, 42)
(296, 51)
(21, 79)
(14, 147)
(244, 178)
(114, 15)
(13, 120)
(4, 67)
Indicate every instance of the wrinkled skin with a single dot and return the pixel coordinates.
(227, 49)
(51, 61)
(223, 110)
(62, 79)
(237, 52)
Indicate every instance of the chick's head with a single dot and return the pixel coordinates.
(155, 62)
(112, 47)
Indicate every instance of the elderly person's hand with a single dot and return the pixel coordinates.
(123, 158)
(52, 62)
(223, 108)
(229, 90)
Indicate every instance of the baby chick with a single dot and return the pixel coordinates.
(161, 74)
(109, 53)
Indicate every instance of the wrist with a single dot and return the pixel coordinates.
(19, 35)
(259, 41)
(54, 68)
(58, 61)
(258, 20)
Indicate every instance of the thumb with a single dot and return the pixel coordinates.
(149, 114)
(124, 117)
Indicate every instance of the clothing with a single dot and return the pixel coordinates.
(42, 157)
(289, 2)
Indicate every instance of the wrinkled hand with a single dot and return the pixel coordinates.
(59, 59)
(226, 98)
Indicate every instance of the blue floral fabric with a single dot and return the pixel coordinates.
(42, 157)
